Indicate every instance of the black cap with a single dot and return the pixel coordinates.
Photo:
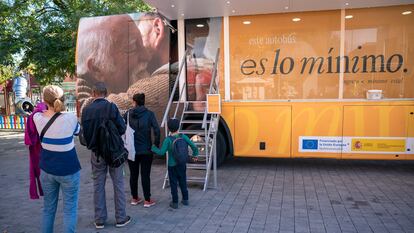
(173, 124)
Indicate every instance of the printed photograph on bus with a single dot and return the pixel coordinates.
(130, 53)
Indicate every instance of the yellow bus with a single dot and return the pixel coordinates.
(322, 80)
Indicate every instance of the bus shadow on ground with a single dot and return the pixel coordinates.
(325, 164)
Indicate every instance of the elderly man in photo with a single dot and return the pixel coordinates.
(129, 55)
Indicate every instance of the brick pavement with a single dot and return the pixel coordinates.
(254, 195)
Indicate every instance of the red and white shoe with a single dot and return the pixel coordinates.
(136, 201)
(149, 203)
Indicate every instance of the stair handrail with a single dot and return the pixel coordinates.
(179, 100)
(167, 110)
(214, 75)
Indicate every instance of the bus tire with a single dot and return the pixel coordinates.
(220, 148)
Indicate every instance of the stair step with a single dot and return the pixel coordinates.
(201, 159)
(199, 132)
(193, 131)
(194, 122)
(202, 151)
(190, 101)
(201, 155)
(196, 179)
(196, 166)
(200, 143)
(193, 112)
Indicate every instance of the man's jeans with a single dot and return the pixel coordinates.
(70, 190)
(177, 174)
(99, 171)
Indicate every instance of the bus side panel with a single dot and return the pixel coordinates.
(262, 131)
(315, 121)
(375, 132)
(410, 133)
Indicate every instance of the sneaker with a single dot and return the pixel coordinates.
(185, 202)
(99, 225)
(174, 205)
(136, 201)
(149, 203)
(124, 223)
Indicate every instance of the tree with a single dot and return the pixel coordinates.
(6, 73)
(42, 33)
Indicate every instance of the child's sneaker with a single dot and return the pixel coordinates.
(174, 205)
(149, 203)
(136, 201)
(185, 202)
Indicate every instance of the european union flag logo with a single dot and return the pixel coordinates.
(310, 144)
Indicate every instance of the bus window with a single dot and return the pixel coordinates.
(203, 37)
(378, 45)
(285, 56)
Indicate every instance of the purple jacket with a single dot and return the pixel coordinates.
(31, 138)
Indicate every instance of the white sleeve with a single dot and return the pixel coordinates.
(74, 123)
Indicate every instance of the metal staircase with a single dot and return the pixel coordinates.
(202, 131)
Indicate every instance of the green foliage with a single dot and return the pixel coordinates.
(42, 33)
(6, 73)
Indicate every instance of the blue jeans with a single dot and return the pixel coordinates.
(70, 190)
(178, 176)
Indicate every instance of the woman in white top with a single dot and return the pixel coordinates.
(58, 160)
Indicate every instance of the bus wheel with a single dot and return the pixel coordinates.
(220, 148)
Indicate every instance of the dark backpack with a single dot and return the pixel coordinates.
(109, 144)
(179, 149)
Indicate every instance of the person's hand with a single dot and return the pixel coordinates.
(153, 147)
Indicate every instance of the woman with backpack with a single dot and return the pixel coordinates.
(142, 121)
(59, 164)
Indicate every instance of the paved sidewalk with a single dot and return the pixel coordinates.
(254, 195)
